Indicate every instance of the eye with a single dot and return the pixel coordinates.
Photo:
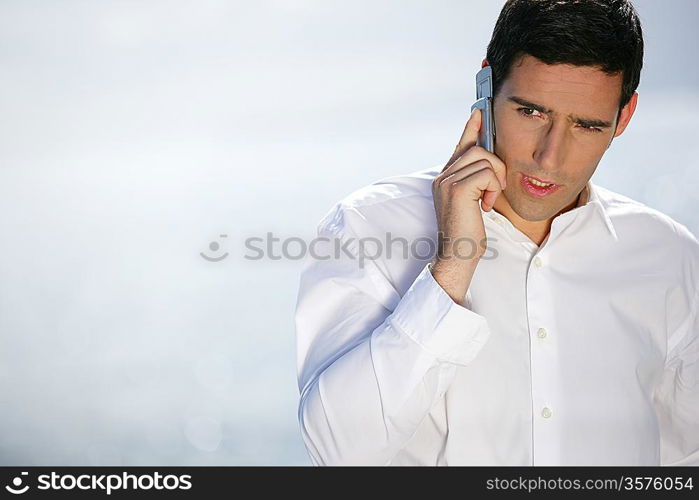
(527, 112)
(590, 129)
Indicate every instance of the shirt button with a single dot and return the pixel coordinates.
(537, 261)
(541, 333)
(546, 412)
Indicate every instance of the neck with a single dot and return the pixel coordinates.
(537, 231)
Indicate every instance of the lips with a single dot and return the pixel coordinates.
(543, 181)
(533, 189)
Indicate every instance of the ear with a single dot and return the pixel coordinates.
(626, 114)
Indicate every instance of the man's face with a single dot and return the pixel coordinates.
(562, 144)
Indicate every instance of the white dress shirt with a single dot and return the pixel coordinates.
(581, 351)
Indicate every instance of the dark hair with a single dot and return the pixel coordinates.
(601, 33)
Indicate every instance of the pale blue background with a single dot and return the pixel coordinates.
(134, 133)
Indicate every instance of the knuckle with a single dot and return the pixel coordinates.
(482, 173)
(471, 151)
(487, 155)
(483, 162)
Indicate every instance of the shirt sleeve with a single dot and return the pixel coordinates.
(677, 398)
(368, 373)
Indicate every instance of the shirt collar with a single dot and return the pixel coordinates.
(589, 196)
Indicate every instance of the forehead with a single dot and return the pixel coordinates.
(564, 87)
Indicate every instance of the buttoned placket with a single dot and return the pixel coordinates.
(544, 359)
(544, 346)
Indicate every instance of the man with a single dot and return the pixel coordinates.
(568, 336)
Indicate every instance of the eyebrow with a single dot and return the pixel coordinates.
(585, 122)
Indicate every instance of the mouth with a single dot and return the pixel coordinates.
(537, 187)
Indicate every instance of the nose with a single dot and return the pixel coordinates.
(551, 148)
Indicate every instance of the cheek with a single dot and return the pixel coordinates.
(587, 151)
(514, 141)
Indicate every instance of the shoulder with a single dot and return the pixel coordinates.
(648, 222)
(384, 204)
(651, 232)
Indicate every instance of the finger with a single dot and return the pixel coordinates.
(484, 185)
(473, 155)
(469, 137)
(489, 200)
(464, 172)
(476, 153)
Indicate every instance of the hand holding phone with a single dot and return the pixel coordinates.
(473, 175)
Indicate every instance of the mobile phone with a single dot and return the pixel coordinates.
(484, 102)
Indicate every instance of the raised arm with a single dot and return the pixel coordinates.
(368, 376)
